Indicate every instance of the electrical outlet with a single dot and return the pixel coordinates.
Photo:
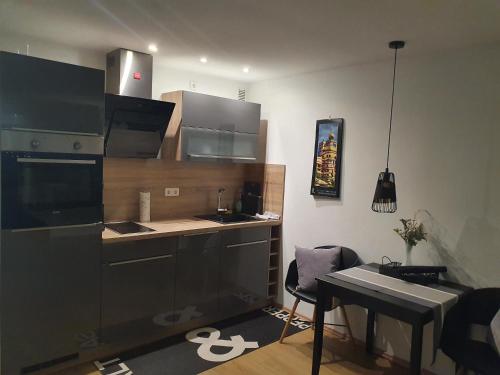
(172, 192)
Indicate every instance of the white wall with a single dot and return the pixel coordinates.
(444, 153)
(165, 79)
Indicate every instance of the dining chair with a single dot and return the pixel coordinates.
(348, 259)
(476, 308)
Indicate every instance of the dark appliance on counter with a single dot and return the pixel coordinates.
(51, 211)
(135, 127)
(251, 200)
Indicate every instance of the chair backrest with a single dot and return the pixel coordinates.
(476, 307)
(481, 305)
(348, 259)
(292, 276)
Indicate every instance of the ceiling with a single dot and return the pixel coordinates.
(273, 37)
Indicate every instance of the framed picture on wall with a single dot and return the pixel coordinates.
(327, 158)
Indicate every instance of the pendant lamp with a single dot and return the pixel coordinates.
(384, 200)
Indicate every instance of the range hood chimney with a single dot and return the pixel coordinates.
(135, 125)
(129, 73)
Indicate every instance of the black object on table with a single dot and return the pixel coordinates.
(376, 302)
(414, 274)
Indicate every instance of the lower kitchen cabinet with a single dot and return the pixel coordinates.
(244, 268)
(138, 293)
(50, 294)
(197, 272)
(153, 287)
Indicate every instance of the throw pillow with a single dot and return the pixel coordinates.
(312, 263)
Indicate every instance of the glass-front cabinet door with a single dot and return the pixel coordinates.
(218, 145)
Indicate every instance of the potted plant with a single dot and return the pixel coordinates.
(412, 233)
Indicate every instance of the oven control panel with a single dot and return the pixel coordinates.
(17, 140)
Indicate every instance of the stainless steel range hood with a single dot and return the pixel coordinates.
(129, 73)
(135, 124)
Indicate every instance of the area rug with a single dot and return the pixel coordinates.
(205, 347)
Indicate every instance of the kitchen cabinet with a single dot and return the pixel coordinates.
(213, 112)
(50, 294)
(138, 284)
(152, 286)
(39, 94)
(197, 269)
(211, 128)
(244, 269)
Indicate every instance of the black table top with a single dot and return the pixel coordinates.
(395, 307)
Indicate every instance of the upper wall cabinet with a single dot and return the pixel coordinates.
(50, 96)
(213, 112)
(210, 128)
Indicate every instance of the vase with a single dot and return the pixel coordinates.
(408, 255)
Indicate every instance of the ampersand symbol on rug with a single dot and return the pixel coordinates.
(237, 344)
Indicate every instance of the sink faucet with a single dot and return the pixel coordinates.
(220, 210)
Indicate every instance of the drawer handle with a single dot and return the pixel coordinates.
(246, 244)
(199, 234)
(140, 260)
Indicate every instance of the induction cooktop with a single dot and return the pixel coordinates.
(127, 227)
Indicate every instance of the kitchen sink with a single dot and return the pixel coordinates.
(229, 218)
(127, 227)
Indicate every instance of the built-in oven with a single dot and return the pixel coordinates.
(51, 221)
(50, 189)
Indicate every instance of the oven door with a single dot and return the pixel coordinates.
(41, 190)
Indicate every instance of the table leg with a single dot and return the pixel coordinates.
(370, 331)
(416, 349)
(318, 331)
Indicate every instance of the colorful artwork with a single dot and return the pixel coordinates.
(327, 158)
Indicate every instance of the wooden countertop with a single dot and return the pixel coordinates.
(175, 227)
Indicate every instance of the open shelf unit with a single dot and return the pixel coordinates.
(274, 262)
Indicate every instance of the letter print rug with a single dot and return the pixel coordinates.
(206, 347)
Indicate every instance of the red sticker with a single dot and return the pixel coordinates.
(137, 75)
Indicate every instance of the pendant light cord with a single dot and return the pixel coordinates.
(392, 105)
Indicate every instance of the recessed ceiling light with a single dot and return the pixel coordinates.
(153, 48)
(203, 59)
(246, 69)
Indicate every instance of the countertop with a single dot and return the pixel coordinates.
(180, 226)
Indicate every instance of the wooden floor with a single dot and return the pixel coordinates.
(294, 357)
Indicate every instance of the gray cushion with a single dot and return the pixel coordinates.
(494, 334)
(312, 263)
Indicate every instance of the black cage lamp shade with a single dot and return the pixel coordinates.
(384, 199)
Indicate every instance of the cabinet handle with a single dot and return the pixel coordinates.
(246, 244)
(55, 161)
(140, 260)
(222, 157)
(77, 226)
(199, 234)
